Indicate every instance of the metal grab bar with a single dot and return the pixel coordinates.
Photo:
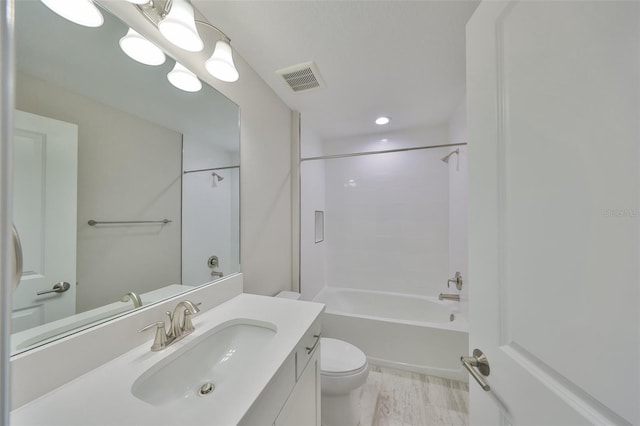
(479, 361)
(101, 222)
(60, 287)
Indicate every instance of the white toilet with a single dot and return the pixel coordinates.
(343, 369)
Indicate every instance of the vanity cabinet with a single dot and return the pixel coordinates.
(292, 397)
(303, 405)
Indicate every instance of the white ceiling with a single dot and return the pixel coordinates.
(404, 59)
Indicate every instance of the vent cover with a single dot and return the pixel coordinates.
(302, 77)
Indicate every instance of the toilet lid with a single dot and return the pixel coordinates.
(337, 356)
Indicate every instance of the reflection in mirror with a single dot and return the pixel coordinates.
(102, 138)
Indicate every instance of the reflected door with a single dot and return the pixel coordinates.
(45, 205)
(553, 97)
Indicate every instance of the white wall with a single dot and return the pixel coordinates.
(265, 149)
(382, 141)
(116, 181)
(312, 254)
(458, 194)
(387, 222)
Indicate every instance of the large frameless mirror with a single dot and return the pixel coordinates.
(126, 189)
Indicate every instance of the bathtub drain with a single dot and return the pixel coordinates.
(206, 389)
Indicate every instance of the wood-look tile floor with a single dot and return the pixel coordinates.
(393, 397)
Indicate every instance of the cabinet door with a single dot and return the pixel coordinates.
(303, 406)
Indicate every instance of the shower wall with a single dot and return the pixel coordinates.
(210, 215)
(387, 222)
(393, 222)
(458, 257)
(312, 199)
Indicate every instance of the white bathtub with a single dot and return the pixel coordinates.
(408, 332)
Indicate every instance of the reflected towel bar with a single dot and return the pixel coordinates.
(97, 222)
(210, 169)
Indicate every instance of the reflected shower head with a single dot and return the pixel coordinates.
(446, 157)
(217, 176)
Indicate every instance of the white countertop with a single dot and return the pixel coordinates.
(103, 396)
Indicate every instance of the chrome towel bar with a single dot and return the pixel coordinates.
(124, 222)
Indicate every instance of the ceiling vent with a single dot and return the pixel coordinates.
(302, 77)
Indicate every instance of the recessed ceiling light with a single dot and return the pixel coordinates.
(381, 121)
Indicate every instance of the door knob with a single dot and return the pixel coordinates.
(477, 361)
(60, 287)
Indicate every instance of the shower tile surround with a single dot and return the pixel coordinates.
(393, 221)
(394, 397)
(387, 222)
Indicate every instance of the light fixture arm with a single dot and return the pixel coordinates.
(155, 11)
(166, 9)
(207, 24)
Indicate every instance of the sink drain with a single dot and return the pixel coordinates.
(206, 389)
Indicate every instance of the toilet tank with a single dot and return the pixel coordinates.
(293, 295)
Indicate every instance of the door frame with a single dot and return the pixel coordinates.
(7, 104)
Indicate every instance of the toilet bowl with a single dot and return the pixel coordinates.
(343, 369)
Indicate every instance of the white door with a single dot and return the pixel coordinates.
(553, 120)
(45, 206)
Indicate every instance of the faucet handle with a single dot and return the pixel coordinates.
(160, 339)
(457, 279)
(187, 325)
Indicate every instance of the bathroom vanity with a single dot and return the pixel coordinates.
(250, 360)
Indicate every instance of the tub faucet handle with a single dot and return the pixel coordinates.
(457, 279)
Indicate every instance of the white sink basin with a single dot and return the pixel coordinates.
(204, 368)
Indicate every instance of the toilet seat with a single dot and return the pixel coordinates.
(340, 358)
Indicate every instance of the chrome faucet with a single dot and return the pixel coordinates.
(177, 329)
(133, 297)
(457, 279)
(455, 297)
(216, 274)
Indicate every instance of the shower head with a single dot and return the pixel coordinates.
(217, 176)
(446, 157)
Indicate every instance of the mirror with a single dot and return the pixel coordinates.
(319, 226)
(125, 187)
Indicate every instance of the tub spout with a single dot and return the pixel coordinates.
(455, 297)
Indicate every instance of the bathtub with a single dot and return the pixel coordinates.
(408, 332)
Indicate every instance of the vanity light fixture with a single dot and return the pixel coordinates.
(179, 26)
(175, 19)
(184, 79)
(82, 12)
(140, 49)
(220, 64)
(381, 121)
